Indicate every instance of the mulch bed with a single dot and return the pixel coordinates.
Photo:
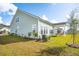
(73, 45)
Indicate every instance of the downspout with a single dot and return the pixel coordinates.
(38, 27)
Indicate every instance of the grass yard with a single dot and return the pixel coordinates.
(18, 46)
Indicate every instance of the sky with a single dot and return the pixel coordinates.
(53, 12)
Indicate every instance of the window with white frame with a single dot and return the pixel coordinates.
(44, 30)
(51, 31)
(41, 29)
(34, 27)
(17, 19)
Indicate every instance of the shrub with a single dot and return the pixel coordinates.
(12, 34)
(44, 37)
(35, 34)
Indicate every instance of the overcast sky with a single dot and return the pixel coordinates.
(52, 12)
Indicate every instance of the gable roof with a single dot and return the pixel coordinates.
(38, 18)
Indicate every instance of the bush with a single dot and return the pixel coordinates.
(53, 36)
(44, 37)
(15, 35)
(11, 34)
(35, 34)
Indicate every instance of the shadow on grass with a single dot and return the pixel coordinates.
(13, 39)
(55, 51)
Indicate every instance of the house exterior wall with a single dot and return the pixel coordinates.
(24, 25)
(43, 26)
(27, 23)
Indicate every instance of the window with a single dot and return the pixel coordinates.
(16, 31)
(51, 31)
(41, 31)
(17, 19)
(34, 27)
(44, 30)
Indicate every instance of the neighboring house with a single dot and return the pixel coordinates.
(60, 27)
(24, 23)
(4, 29)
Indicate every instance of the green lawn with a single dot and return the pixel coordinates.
(18, 46)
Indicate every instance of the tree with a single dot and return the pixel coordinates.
(73, 21)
